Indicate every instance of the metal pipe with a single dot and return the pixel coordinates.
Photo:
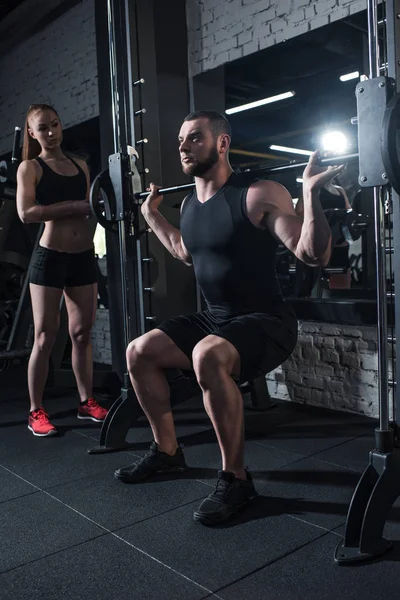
(373, 44)
(117, 148)
(374, 71)
(382, 311)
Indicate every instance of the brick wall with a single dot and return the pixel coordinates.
(57, 65)
(335, 366)
(101, 339)
(222, 31)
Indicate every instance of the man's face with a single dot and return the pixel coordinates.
(198, 147)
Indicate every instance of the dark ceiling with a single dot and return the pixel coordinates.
(7, 6)
(309, 65)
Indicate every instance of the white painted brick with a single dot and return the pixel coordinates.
(319, 21)
(322, 369)
(277, 25)
(311, 354)
(222, 9)
(370, 362)
(315, 383)
(330, 356)
(297, 29)
(296, 16)
(340, 13)
(52, 66)
(266, 15)
(225, 45)
(325, 6)
(356, 6)
(283, 7)
(211, 40)
(244, 38)
(235, 29)
(250, 47)
(306, 340)
(330, 329)
(235, 54)
(267, 41)
(261, 32)
(206, 17)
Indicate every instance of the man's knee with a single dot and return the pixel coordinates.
(147, 348)
(137, 351)
(211, 356)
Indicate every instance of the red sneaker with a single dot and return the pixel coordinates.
(92, 410)
(39, 423)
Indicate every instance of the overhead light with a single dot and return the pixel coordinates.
(349, 76)
(236, 109)
(291, 150)
(334, 141)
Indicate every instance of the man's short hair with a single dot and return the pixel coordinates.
(218, 123)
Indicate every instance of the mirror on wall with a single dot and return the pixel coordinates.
(305, 88)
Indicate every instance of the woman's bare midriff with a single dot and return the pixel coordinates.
(71, 234)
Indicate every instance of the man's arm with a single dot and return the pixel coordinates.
(29, 212)
(168, 235)
(309, 237)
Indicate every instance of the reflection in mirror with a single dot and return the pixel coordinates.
(287, 101)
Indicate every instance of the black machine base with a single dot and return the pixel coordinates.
(375, 494)
(115, 427)
(259, 394)
(348, 555)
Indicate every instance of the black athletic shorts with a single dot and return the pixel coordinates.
(264, 341)
(63, 269)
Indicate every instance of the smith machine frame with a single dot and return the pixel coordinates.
(116, 195)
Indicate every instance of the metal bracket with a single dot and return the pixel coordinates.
(119, 170)
(372, 98)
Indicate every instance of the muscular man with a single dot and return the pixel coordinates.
(229, 232)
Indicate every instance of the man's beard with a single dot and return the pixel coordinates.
(197, 169)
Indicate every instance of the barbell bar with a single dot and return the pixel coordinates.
(335, 160)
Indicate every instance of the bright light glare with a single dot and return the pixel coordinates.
(291, 150)
(334, 141)
(236, 109)
(349, 76)
(299, 180)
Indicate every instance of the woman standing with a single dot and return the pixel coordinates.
(54, 189)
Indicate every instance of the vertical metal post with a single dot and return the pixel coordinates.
(112, 23)
(373, 46)
(382, 311)
(393, 57)
(380, 243)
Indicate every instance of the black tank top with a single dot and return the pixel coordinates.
(234, 261)
(53, 187)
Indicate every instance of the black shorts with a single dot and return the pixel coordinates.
(63, 269)
(264, 341)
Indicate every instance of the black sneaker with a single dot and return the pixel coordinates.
(153, 462)
(230, 495)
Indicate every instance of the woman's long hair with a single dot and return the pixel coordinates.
(31, 147)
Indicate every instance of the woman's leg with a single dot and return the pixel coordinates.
(81, 304)
(46, 319)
